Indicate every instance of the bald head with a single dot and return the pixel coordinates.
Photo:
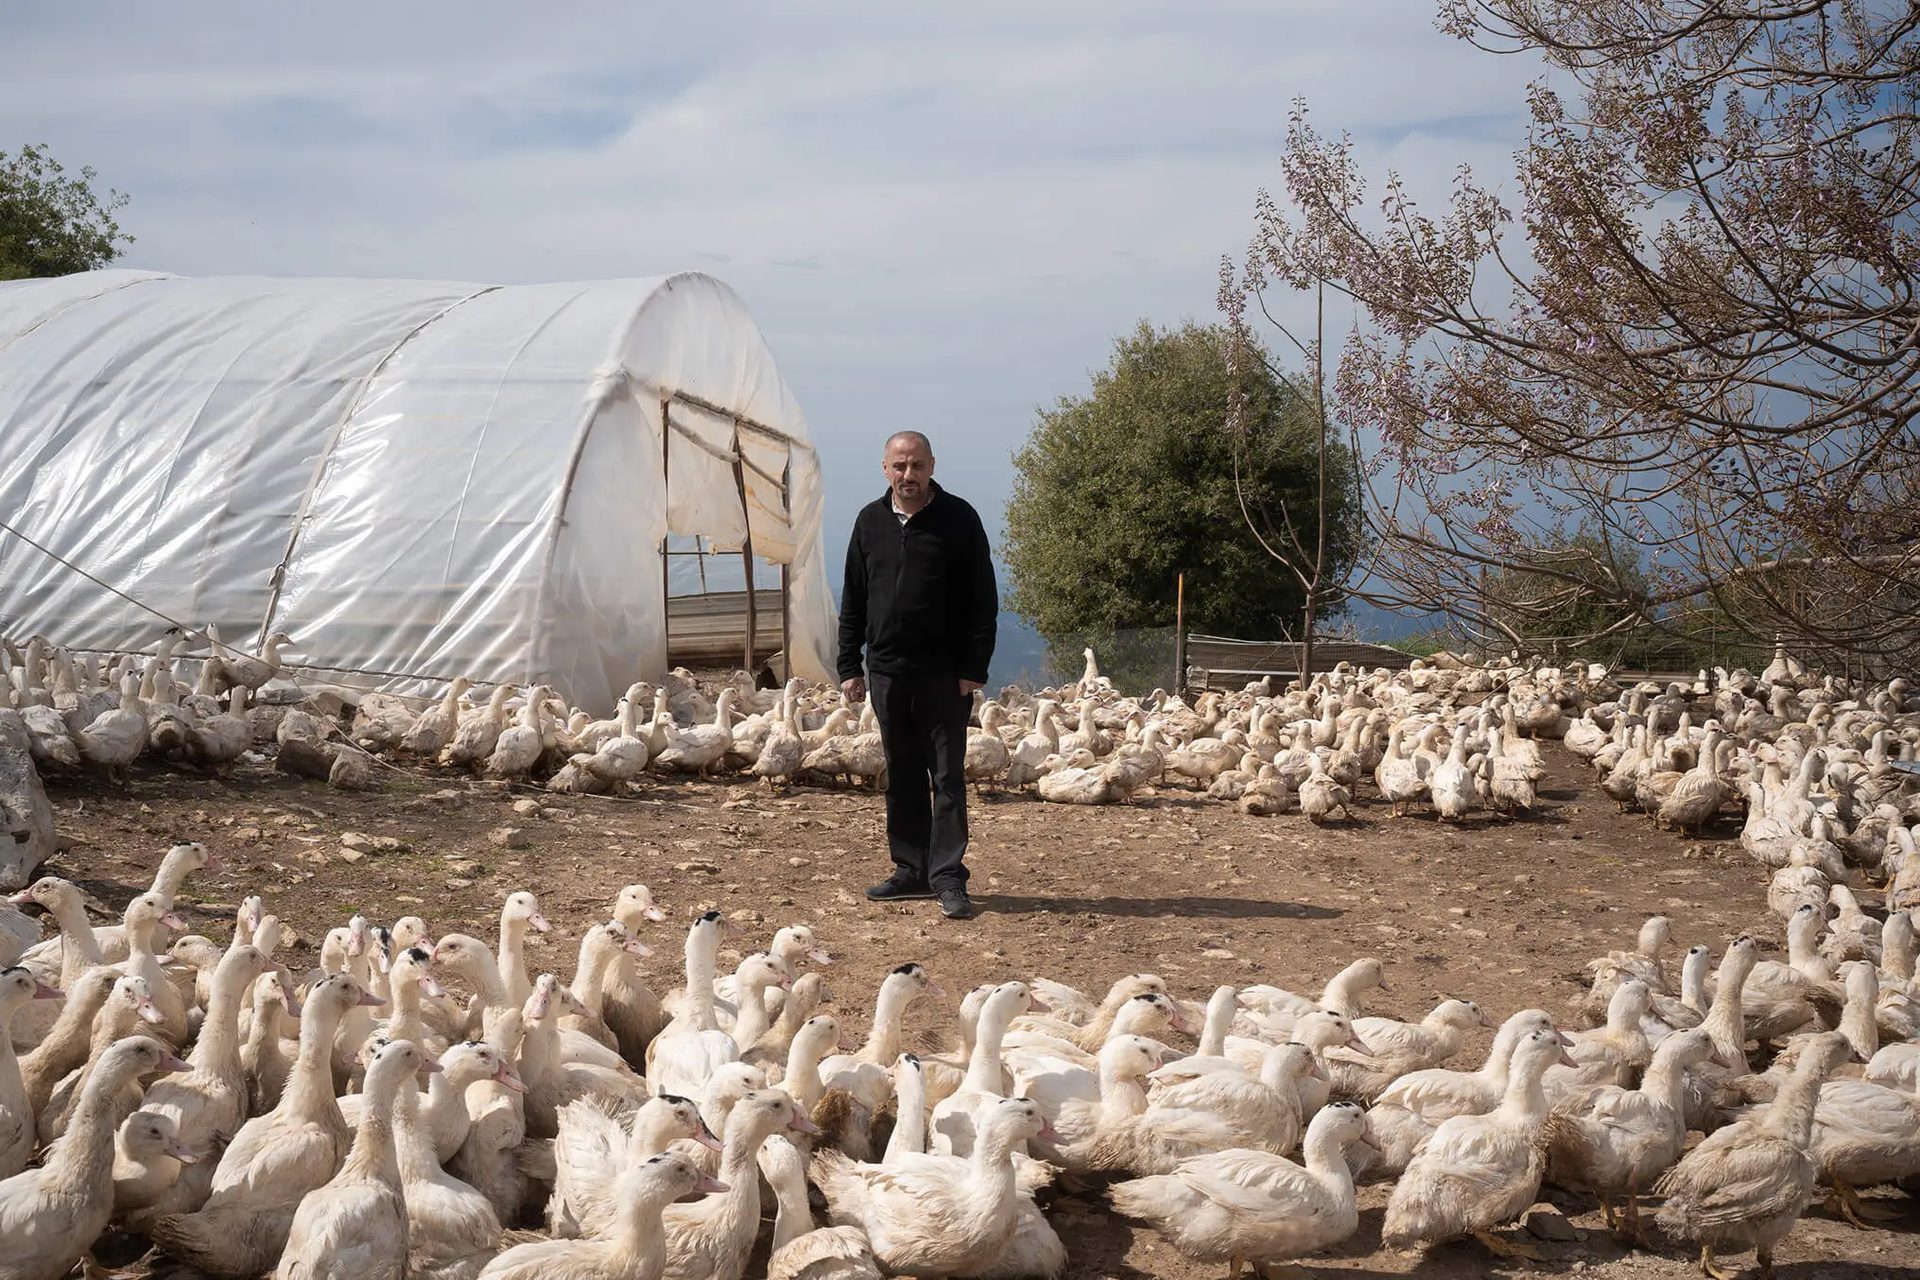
(908, 463)
(908, 439)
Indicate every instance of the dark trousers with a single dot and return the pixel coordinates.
(923, 726)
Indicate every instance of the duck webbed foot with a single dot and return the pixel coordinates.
(1711, 1269)
(1507, 1248)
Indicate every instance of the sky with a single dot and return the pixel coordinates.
(941, 217)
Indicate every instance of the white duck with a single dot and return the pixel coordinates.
(245, 670)
(936, 1214)
(551, 1079)
(275, 1159)
(699, 748)
(799, 1251)
(713, 1237)
(1395, 1048)
(208, 1103)
(631, 1010)
(866, 1076)
(147, 1157)
(17, 988)
(479, 732)
(434, 728)
(51, 1215)
(1254, 1205)
(638, 1248)
(113, 740)
(1477, 1172)
(519, 746)
(782, 752)
(355, 1227)
(1745, 1185)
(520, 912)
(221, 739)
(623, 756)
(1454, 783)
(1270, 1012)
(1612, 1141)
(594, 1141)
(954, 1119)
(682, 1056)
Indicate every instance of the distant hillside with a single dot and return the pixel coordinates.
(1020, 655)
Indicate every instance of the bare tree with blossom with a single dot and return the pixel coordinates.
(1693, 336)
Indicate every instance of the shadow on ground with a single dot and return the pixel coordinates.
(1242, 908)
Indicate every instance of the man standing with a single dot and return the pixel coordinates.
(919, 594)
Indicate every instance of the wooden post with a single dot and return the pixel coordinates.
(666, 493)
(786, 626)
(746, 544)
(1180, 633)
(786, 609)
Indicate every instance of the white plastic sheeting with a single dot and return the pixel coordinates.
(413, 479)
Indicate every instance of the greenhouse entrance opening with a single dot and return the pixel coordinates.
(727, 601)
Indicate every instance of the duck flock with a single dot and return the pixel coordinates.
(241, 1116)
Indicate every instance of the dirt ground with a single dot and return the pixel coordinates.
(1505, 912)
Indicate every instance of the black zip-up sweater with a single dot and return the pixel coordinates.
(919, 595)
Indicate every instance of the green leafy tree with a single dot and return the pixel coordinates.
(52, 224)
(1120, 491)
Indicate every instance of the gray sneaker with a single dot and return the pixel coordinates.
(955, 904)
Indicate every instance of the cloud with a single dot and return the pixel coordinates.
(941, 218)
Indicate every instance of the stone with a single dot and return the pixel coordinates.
(359, 840)
(527, 807)
(351, 855)
(446, 795)
(304, 759)
(246, 835)
(1549, 1224)
(797, 861)
(1216, 953)
(350, 771)
(459, 882)
(465, 867)
(508, 837)
(706, 867)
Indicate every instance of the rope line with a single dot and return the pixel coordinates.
(55, 555)
(168, 618)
